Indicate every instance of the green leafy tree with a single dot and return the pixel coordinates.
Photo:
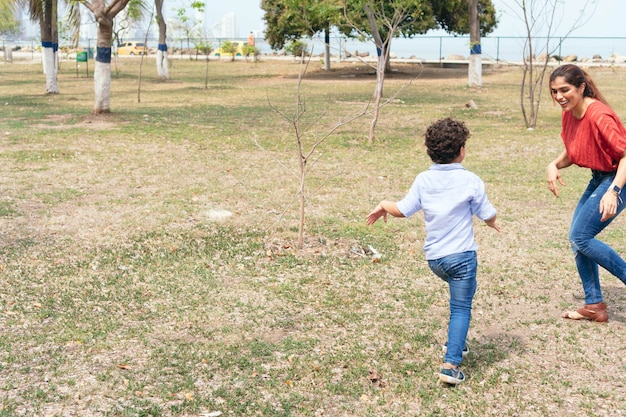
(453, 15)
(476, 17)
(250, 51)
(290, 20)
(376, 20)
(229, 48)
(204, 48)
(382, 21)
(297, 48)
(408, 18)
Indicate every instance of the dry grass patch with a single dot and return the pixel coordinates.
(148, 265)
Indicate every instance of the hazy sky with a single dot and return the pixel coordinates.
(602, 17)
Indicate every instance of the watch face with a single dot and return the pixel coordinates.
(616, 189)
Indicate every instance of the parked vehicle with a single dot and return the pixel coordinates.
(238, 49)
(132, 48)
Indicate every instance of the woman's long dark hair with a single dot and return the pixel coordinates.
(576, 76)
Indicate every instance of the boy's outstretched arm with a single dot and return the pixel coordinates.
(492, 223)
(385, 207)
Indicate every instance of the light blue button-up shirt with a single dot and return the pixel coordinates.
(449, 195)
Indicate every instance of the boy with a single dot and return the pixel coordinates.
(449, 195)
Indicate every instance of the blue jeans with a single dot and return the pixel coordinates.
(459, 271)
(589, 252)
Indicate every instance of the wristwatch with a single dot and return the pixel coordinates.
(616, 190)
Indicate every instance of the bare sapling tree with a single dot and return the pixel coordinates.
(541, 20)
(307, 140)
(384, 24)
(145, 42)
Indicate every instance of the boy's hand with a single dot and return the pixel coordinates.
(376, 214)
(492, 223)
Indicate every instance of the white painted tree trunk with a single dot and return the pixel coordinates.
(102, 87)
(50, 69)
(326, 57)
(162, 65)
(475, 70)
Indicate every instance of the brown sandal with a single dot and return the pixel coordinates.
(594, 312)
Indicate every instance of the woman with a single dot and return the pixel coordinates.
(594, 138)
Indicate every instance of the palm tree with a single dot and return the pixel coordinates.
(45, 11)
(7, 17)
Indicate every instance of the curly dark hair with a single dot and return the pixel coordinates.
(444, 140)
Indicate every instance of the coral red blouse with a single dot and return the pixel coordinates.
(596, 141)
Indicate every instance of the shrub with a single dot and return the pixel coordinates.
(297, 48)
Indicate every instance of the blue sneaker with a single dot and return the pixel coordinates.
(451, 376)
(466, 349)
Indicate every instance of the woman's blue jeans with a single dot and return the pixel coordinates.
(459, 271)
(589, 252)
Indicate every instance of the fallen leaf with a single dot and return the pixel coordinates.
(123, 366)
(189, 396)
(373, 375)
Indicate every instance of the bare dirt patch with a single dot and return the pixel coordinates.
(400, 71)
(90, 121)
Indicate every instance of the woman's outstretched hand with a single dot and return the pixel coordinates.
(554, 178)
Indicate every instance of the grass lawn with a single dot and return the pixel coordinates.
(149, 266)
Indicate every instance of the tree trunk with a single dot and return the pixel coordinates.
(475, 78)
(50, 45)
(382, 53)
(388, 58)
(378, 92)
(327, 48)
(102, 72)
(104, 15)
(161, 58)
(301, 198)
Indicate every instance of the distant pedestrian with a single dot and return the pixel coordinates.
(450, 196)
(594, 138)
(251, 39)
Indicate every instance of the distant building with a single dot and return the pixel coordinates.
(228, 26)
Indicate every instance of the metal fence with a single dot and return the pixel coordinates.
(425, 47)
